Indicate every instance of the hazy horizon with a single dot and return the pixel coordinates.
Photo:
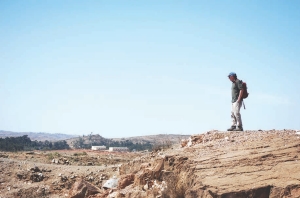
(86, 134)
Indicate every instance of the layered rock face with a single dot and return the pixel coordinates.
(262, 164)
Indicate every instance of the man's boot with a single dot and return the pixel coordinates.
(239, 128)
(231, 128)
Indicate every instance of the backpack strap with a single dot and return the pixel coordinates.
(244, 104)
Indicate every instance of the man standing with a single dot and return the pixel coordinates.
(237, 100)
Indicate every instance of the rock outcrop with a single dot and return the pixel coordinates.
(83, 189)
(258, 164)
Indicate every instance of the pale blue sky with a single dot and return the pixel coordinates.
(128, 68)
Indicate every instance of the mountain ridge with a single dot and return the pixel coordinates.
(39, 136)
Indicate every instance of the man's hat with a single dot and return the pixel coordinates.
(232, 74)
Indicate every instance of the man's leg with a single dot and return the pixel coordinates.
(233, 118)
(236, 111)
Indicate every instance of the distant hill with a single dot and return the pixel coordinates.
(154, 139)
(39, 136)
(98, 140)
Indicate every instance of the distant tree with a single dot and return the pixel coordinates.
(90, 138)
(79, 143)
(24, 143)
(59, 145)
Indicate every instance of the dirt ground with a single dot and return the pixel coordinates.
(57, 171)
(262, 164)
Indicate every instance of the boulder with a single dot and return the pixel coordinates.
(83, 189)
(147, 174)
(111, 183)
(292, 190)
(56, 161)
(20, 175)
(37, 177)
(100, 195)
(158, 168)
(35, 169)
(184, 143)
(125, 180)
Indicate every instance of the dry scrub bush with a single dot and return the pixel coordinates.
(158, 146)
(78, 154)
(51, 156)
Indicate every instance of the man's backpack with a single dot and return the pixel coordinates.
(245, 93)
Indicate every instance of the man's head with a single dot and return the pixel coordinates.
(232, 76)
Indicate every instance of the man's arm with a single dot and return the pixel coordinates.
(240, 95)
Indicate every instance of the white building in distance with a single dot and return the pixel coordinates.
(97, 148)
(118, 149)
